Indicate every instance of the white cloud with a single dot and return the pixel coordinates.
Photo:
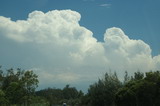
(128, 54)
(105, 5)
(156, 61)
(65, 52)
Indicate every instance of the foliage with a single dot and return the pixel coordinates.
(140, 91)
(103, 92)
(69, 95)
(17, 86)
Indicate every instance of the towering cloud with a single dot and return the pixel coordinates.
(126, 54)
(62, 51)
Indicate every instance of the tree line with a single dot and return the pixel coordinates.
(18, 88)
(142, 89)
(69, 95)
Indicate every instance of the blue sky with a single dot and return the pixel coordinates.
(98, 35)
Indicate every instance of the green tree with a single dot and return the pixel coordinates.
(3, 100)
(103, 92)
(14, 93)
(142, 91)
(18, 85)
(138, 75)
(55, 96)
(70, 92)
(29, 82)
(126, 77)
(1, 78)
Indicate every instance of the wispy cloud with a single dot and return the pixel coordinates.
(88, 0)
(105, 5)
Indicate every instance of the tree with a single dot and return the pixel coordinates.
(29, 82)
(126, 77)
(103, 92)
(55, 96)
(18, 85)
(138, 75)
(1, 78)
(70, 92)
(141, 91)
(3, 100)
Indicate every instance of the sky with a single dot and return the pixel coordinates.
(77, 41)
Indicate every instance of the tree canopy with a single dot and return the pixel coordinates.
(140, 90)
(18, 88)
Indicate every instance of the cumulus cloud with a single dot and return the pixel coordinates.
(126, 54)
(62, 51)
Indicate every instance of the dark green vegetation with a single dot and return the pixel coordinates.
(68, 95)
(17, 88)
(140, 90)
(137, 90)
